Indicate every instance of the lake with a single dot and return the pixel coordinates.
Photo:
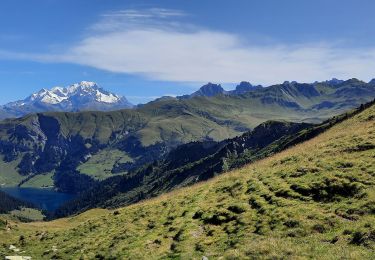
(43, 198)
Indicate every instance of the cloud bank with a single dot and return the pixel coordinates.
(153, 43)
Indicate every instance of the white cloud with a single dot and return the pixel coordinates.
(130, 18)
(153, 44)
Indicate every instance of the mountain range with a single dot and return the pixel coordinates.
(56, 148)
(81, 96)
(199, 161)
(210, 90)
(88, 96)
(315, 200)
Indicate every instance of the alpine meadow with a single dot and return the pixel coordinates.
(187, 129)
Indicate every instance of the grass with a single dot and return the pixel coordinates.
(8, 173)
(100, 165)
(27, 214)
(313, 201)
(40, 181)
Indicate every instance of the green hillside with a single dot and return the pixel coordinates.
(71, 143)
(186, 165)
(315, 200)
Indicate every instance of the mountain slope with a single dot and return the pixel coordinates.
(315, 200)
(183, 166)
(76, 97)
(28, 146)
(198, 161)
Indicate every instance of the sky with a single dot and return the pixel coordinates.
(147, 49)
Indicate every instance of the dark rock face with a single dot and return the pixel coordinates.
(244, 87)
(50, 148)
(209, 90)
(26, 166)
(334, 82)
(295, 89)
(135, 149)
(279, 101)
(42, 148)
(54, 148)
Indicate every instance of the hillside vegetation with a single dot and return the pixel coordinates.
(315, 200)
(186, 165)
(198, 161)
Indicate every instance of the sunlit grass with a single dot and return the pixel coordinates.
(100, 165)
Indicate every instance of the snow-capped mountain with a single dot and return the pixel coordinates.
(81, 96)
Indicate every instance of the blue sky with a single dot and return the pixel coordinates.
(145, 49)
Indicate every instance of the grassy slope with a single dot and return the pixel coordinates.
(40, 181)
(100, 165)
(27, 214)
(10, 177)
(314, 200)
(8, 173)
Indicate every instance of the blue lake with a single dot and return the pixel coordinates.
(43, 198)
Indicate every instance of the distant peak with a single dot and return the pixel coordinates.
(83, 85)
(354, 80)
(244, 84)
(244, 87)
(43, 90)
(77, 94)
(334, 81)
(211, 85)
(290, 82)
(87, 83)
(209, 90)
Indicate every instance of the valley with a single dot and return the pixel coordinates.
(198, 130)
(313, 200)
(44, 149)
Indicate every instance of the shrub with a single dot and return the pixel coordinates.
(319, 228)
(218, 218)
(363, 237)
(291, 223)
(198, 214)
(236, 209)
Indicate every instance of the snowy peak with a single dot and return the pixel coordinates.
(47, 96)
(79, 88)
(107, 98)
(81, 96)
(83, 90)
